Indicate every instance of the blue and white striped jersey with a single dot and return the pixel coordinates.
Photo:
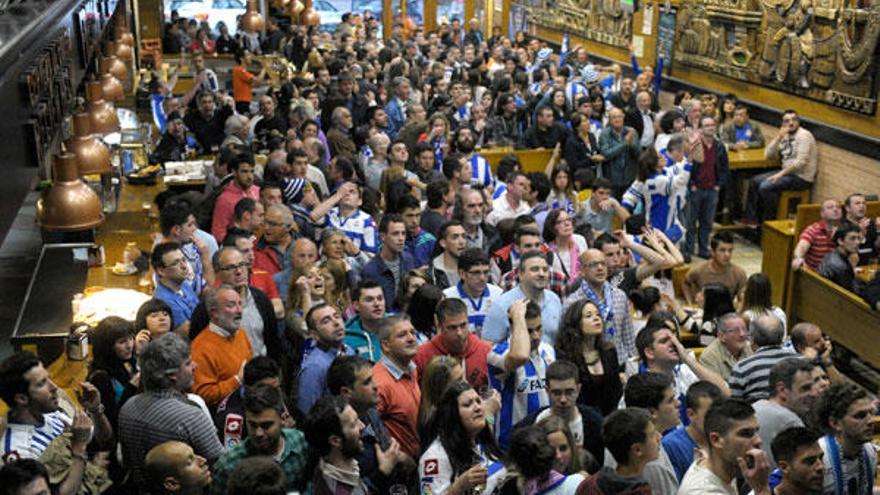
(523, 392)
(573, 91)
(360, 228)
(481, 172)
(663, 196)
(21, 441)
(477, 308)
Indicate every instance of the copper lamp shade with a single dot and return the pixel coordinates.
(92, 155)
(102, 114)
(123, 49)
(111, 86)
(117, 67)
(69, 205)
(252, 21)
(294, 9)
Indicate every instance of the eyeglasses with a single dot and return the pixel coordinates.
(177, 262)
(243, 264)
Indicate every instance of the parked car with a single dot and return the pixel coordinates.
(212, 11)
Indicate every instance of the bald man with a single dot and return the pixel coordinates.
(612, 302)
(302, 251)
(173, 467)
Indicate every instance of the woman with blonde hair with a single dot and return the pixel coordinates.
(568, 456)
(336, 281)
(437, 136)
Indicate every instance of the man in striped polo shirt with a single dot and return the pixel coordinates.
(35, 416)
(518, 368)
(750, 377)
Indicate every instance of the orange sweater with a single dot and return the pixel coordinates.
(217, 360)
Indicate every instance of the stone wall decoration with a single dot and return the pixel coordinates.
(818, 49)
(604, 21)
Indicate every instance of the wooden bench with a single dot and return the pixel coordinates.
(788, 202)
(842, 315)
(810, 213)
(531, 160)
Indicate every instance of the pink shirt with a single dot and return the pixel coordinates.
(224, 209)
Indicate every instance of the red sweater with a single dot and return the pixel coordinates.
(476, 370)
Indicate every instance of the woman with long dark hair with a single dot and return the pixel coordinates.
(114, 372)
(581, 341)
(757, 301)
(463, 451)
(566, 245)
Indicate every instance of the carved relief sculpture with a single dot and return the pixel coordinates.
(604, 21)
(819, 49)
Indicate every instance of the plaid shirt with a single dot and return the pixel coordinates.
(293, 461)
(624, 334)
(558, 282)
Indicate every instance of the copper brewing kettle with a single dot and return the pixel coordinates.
(117, 66)
(111, 86)
(309, 17)
(102, 114)
(252, 21)
(69, 205)
(92, 155)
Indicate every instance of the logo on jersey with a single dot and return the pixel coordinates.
(432, 467)
(531, 384)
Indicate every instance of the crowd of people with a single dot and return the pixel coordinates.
(376, 310)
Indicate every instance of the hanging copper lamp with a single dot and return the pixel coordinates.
(294, 9)
(117, 67)
(92, 155)
(69, 205)
(121, 33)
(123, 50)
(102, 114)
(252, 21)
(111, 86)
(309, 17)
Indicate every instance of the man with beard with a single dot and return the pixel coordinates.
(270, 120)
(800, 457)
(443, 270)
(481, 173)
(172, 144)
(221, 351)
(326, 329)
(241, 186)
(792, 396)
(546, 133)
(470, 210)
(35, 418)
(207, 124)
(339, 136)
(333, 430)
(163, 411)
(847, 413)
(397, 383)
(351, 377)
(173, 468)
(263, 410)
(258, 314)
(419, 243)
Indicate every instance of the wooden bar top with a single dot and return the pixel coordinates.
(751, 158)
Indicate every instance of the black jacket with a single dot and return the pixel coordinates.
(271, 338)
(169, 149)
(537, 138)
(358, 106)
(578, 154)
(634, 119)
(208, 132)
(592, 434)
(836, 268)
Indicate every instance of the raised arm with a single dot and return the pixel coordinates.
(702, 372)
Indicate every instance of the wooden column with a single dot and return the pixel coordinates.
(430, 16)
(505, 15)
(151, 19)
(387, 19)
(468, 12)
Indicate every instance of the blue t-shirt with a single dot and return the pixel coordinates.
(182, 302)
(679, 447)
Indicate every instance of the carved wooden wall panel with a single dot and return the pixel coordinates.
(603, 21)
(819, 49)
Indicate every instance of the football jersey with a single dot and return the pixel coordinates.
(477, 308)
(21, 441)
(360, 228)
(524, 391)
(436, 474)
(663, 196)
(481, 172)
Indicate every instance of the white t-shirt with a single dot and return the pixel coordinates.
(477, 308)
(699, 480)
(435, 470)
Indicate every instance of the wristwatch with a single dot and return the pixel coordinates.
(98, 411)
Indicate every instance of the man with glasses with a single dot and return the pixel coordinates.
(611, 301)
(584, 422)
(258, 314)
(172, 271)
(474, 287)
(795, 147)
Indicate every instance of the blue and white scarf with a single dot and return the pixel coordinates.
(604, 306)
